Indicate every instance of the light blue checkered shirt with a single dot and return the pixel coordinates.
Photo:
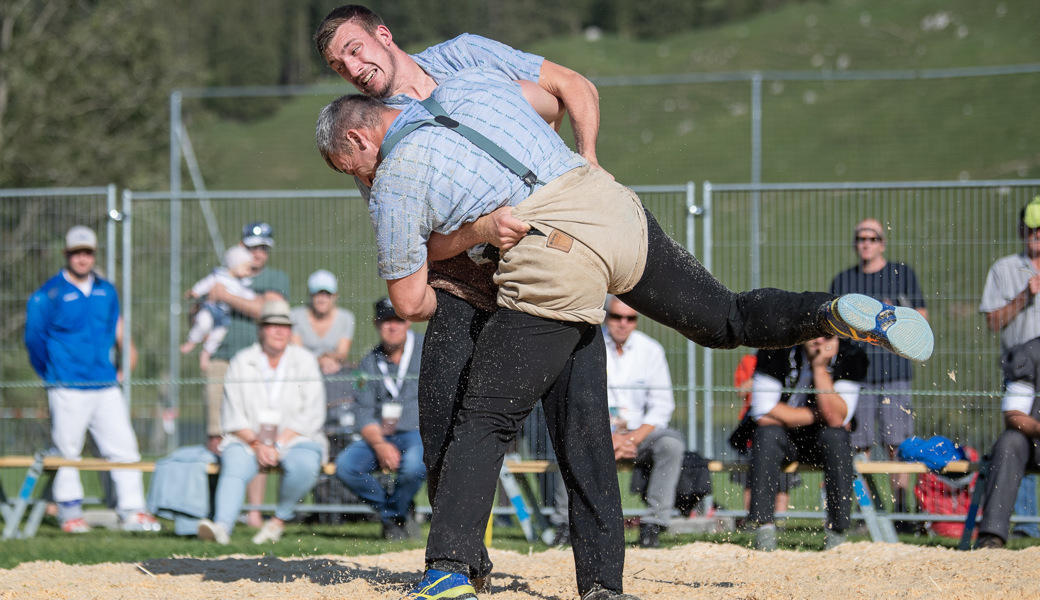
(443, 61)
(437, 180)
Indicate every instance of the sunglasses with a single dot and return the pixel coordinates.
(863, 240)
(629, 318)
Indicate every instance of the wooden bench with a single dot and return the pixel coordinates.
(41, 470)
(514, 479)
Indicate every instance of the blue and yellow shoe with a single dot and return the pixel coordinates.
(897, 329)
(441, 584)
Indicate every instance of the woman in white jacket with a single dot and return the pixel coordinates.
(272, 415)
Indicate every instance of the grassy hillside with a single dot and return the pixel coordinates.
(976, 128)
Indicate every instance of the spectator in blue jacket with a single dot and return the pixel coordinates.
(72, 326)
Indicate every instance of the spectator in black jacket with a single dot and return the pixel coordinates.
(810, 425)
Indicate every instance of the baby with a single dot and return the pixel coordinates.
(210, 323)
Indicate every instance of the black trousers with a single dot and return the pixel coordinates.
(829, 448)
(676, 290)
(576, 414)
(518, 357)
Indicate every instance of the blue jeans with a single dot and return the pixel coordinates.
(301, 464)
(1025, 505)
(354, 467)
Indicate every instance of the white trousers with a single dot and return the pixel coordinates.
(104, 413)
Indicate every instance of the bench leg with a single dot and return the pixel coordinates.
(517, 500)
(13, 516)
(542, 528)
(878, 531)
(973, 509)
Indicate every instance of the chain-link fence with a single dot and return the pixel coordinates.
(792, 236)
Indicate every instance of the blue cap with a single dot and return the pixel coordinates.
(257, 234)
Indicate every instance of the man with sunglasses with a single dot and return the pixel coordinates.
(72, 328)
(885, 410)
(639, 394)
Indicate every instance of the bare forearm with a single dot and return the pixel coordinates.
(444, 246)
(830, 404)
(789, 416)
(249, 308)
(1022, 422)
(1000, 318)
(581, 98)
(373, 435)
(412, 297)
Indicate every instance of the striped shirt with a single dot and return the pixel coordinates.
(435, 180)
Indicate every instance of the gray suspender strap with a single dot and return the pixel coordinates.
(441, 119)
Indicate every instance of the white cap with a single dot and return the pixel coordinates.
(237, 255)
(321, 281)
(80, 238)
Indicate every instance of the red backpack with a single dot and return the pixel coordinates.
(941, 495)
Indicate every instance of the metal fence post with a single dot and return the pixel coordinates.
(692, 210)
(175, 258)
(709, 377)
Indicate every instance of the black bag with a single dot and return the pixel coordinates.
(740, 439)
(694, 481)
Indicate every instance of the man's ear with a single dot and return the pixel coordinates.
(357, 138)
(384, 36)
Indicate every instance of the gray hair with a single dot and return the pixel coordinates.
(353, 111)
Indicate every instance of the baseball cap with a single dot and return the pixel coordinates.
(275, 312)
(385, 310)
(237, 255)
(1031, 215)
(321, 281)
(80, 238)
(257, 234)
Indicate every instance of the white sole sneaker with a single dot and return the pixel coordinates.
(898, 329)
(213, 532)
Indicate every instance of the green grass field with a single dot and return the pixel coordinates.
(813, 130)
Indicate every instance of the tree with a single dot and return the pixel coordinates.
(83, 88)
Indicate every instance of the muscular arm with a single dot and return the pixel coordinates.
(412, 297)
(581, 99)
(498, 228)
(1016, 419)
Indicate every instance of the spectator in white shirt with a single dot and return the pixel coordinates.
(639, 393)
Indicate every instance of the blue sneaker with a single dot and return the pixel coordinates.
(441, 584)
(899, 330)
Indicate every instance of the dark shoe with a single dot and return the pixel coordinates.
(832, 539)
(394, 530)
(988, 541)
(562, 539)
(648, 533)
(598, 593)
(481, 585)
(765, 538)
(914, 528)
